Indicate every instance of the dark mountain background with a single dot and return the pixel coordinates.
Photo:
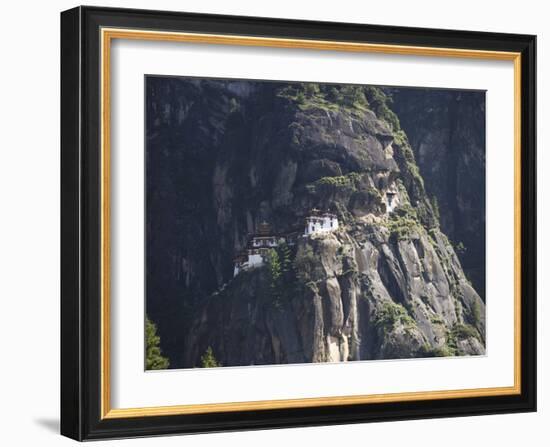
(223, 156)
(446, 130)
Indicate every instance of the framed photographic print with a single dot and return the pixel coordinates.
(274, 223)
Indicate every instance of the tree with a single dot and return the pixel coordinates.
(300, 97)
(353, 96)
(208, 360)
(153, 354)
(285, 258)
(275, 273)
(460, 248)
(311, 89)
(334, 95)
(379, 102)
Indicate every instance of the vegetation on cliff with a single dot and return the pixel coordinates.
(386, 284)
(208, 360)
(153, 354)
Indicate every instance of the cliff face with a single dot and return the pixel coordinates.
(223, 157)
(446, 130)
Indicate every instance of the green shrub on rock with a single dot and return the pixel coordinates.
(391, 315)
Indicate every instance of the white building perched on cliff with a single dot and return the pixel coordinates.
(257, 249)
(322, 223)
(392, 199)
(260, 244)
(251, 258)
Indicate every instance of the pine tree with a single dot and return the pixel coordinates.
(153, 354)
(274, 269)
(285, 258)
(208, 360)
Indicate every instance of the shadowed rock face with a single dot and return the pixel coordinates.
(446, 130)
(223, 157)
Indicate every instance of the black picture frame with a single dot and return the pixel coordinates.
(81, 224)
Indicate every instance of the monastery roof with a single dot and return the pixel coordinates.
(321, 215)
(264, 229)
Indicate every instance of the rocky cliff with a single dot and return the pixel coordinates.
(223, 157)
(446, 130)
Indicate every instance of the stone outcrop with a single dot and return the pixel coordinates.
(224, 157)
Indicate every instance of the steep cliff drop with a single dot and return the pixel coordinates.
(225, 157)
(446, 130)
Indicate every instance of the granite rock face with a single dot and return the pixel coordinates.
(446, 130)
(224, 157)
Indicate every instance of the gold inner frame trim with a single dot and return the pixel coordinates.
(107, 35)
